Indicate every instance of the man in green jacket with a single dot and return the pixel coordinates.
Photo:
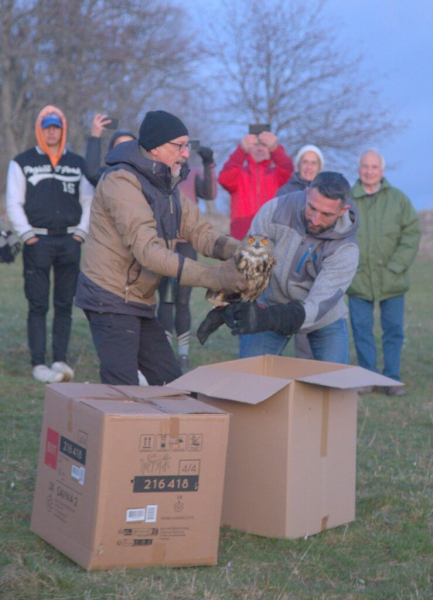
(388, 239)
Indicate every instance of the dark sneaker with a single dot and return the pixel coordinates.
(367, 389)
(395, 391)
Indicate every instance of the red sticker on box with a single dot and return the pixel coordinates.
(52, 448)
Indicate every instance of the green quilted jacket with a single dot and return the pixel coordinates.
(388, 238)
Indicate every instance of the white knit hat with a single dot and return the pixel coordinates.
(309, 148)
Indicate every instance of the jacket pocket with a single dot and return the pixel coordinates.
(394, 284)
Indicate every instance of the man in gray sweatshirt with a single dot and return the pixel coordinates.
(314, 232)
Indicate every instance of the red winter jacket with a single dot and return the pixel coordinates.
(252, 184)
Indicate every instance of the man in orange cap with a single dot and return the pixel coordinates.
(48, 204)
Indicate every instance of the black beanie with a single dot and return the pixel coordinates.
(158, 128)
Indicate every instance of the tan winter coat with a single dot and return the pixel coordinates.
(124, 253)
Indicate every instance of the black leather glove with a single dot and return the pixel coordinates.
(206, 155)
(285, 319)
(213, 321)
(9, 246)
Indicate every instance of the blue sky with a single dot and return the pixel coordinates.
(396, 40)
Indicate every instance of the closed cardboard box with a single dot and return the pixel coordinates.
(130, 476)
(291, 463)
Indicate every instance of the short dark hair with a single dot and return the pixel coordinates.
(332, 185)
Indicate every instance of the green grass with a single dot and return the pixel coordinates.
(387, 553)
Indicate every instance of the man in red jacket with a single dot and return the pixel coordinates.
(252, 175)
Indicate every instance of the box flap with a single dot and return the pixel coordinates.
(75, 391)
(120, 408)
(168, 400)
(231, 385)
(150, 392)
(134, 400)
(351, 377)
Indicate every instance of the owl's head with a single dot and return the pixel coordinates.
(258, 244)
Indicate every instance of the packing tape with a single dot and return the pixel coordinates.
(325, 424)
(170, 427)
(174, 428)
(158, 553)
(324, 523)
(70, 415)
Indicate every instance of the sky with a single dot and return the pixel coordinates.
(396, 40)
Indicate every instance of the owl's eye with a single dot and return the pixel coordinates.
(251, 240)
(264, 241)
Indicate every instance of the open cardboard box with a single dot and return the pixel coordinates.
(130, 476)
(291, 462)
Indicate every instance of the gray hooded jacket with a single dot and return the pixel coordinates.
(316, 269)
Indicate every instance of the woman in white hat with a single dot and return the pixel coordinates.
(309, 162)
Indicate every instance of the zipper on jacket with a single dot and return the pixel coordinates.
(304, 257)
(128, 282)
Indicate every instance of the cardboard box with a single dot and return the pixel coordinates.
(130, 476)
(291, 462)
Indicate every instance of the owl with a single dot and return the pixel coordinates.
(254, 258)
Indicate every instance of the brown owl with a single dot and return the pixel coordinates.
(254, 258)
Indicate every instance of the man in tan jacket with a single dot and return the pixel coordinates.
(137, 215)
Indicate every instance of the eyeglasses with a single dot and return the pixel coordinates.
(182, 147)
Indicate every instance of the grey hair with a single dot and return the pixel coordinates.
(375, 151)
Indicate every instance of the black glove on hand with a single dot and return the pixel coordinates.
(206, 155)
(9, 246)
(285, 319)
(213, 321)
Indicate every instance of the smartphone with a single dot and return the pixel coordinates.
(258, 128)
(195, 145)
(114, 123)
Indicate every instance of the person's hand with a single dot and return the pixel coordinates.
(206, 155)
(32, 240)
(269, 140)
(248, 318)
(78, 238)
(98, 124)
(248, 142)
(284, 319)
(229, 279)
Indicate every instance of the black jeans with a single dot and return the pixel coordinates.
(126, 343)
(62, 254)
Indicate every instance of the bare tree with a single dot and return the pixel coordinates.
(280, 62)
(87, 56)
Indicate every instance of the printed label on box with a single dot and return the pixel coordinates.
(189, 467)
(165, 483)
(78, 473)
(139, 531)
(138, 542)
(73, 450)
(195, 442)
(151, 513)
(52, 448)
(147, 443)
(135, 514)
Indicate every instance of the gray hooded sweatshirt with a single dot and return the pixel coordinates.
(316, 269)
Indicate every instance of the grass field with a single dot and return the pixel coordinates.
(387, 553)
